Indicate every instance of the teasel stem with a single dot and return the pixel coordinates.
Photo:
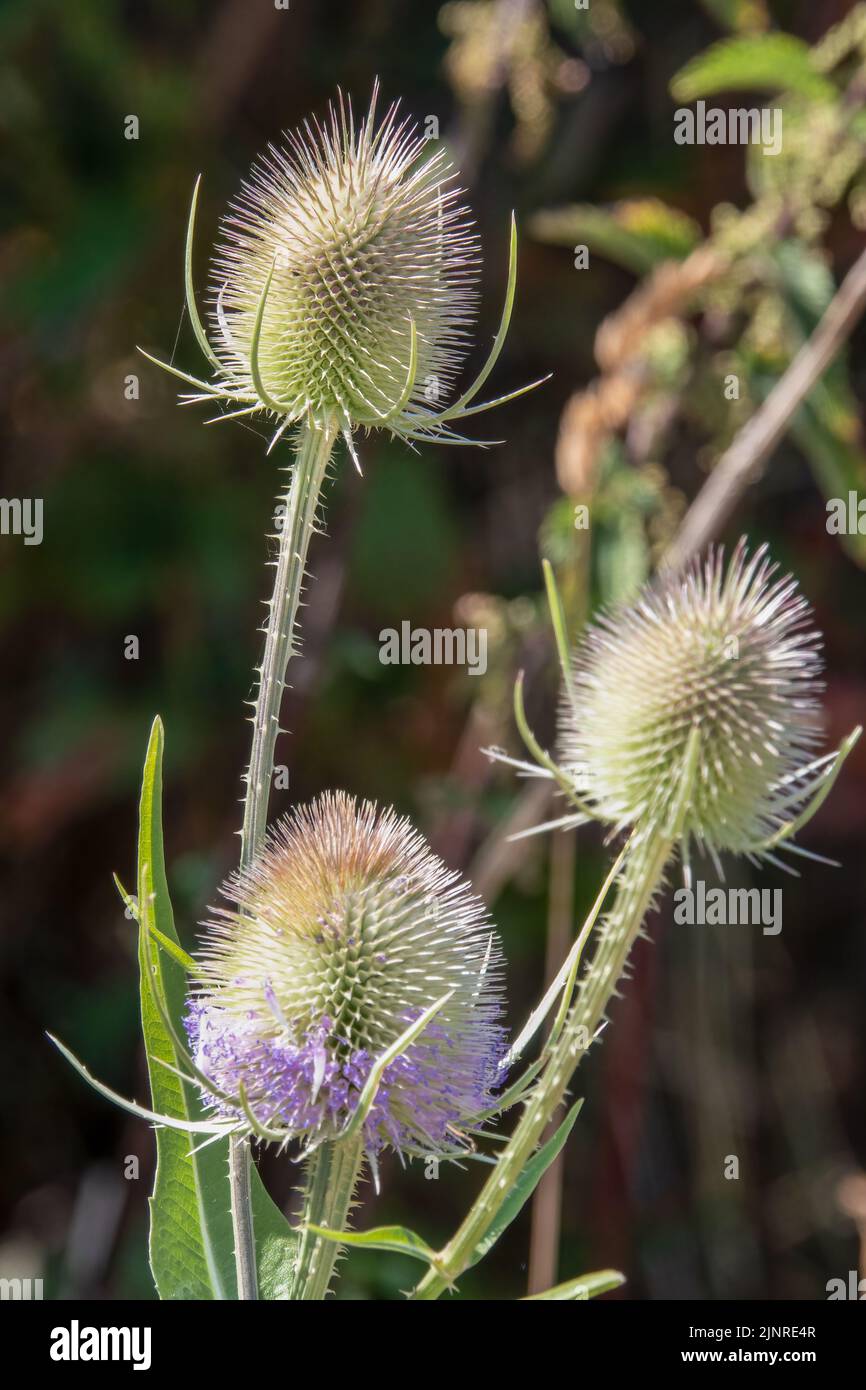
(298, 523)
(240, 1162)
(640, 878)
(332, 1175)
(301, 504)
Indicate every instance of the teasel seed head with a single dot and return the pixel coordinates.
(341, 934)
(722, 659)
(361, 234)
(343, 287)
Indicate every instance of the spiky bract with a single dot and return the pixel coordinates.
(729, 652)
(343, 932)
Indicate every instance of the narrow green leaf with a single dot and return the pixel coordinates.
(398, 1239)
(276, 1244)
(759, 62)
(191, 1242)
(176, 952)
(586, 1286)
(525, 1186)
(559, 623)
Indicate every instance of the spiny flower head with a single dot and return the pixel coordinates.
(724, 661)
(343, 286)
(361, 234)
(342, 934)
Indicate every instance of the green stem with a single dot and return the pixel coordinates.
(300, 506)
(240, 1162)
(641, 876)
(298, 523)
(332, 1173)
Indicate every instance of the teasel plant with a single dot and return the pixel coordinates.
(688, 718)
(342, 298)
(347, 997)
(343, 291)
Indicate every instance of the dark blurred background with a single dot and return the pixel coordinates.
(727, 1042)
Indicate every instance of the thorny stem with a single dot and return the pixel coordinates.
(332, 1173)
(240, 1161)
(298, 523)
(641, 876)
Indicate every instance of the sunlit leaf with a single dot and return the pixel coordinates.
(525, 1186)
(398, 1239)
(585, 1286)
(760, 62)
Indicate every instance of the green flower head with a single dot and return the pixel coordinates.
(349, 945)
(699, 700)
(343, 287)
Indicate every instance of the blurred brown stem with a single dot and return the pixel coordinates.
(547, 1202)
(740, 464)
